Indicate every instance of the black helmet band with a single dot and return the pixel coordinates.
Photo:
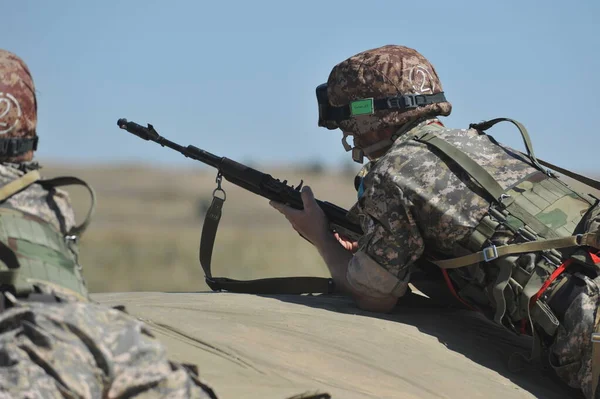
(329, 116)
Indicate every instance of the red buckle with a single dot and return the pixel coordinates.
(549, 281)
(595, 257)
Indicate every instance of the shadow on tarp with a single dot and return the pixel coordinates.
(463, 331)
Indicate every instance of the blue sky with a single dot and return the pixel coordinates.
(238, 78)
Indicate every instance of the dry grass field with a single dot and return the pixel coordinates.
(146, 230)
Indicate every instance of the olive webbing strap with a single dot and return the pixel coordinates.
(8, 190)
(580, 178)
(492, 252)
(277, 285)
(479, 174)
(34, 176)
(61, 181)
(482, 126)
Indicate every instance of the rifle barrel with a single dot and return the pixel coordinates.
(150, 134)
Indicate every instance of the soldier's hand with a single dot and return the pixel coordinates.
(310, 222)
(348, 244)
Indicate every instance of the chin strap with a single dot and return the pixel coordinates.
(359, 153)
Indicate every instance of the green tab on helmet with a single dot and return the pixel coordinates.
(362, 107)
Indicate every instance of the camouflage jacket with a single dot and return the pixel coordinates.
(414, 202)
(411, 201)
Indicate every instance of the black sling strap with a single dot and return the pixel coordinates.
(269, 286)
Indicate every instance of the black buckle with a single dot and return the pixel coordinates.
(408, 101)
(213, 284)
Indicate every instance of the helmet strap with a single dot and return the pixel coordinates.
(358, 153)
(347, 146)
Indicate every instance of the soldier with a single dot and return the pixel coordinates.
(512, 240)
(54, 341)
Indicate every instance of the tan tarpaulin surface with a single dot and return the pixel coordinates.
(249, 346)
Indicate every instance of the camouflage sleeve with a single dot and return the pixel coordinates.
(391, 243)
(86, 350)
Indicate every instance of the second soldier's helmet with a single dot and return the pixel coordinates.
(379, 88)
(18, 110)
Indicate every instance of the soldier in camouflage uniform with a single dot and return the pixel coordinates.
(439, 194)
(54, 341)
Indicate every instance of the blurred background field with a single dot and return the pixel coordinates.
(146, 231)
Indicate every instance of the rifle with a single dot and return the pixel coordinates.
(261, 184)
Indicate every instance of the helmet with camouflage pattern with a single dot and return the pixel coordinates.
(18, 110)
(384, 74)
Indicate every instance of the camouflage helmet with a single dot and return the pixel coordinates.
(379, 88)
(18, 110)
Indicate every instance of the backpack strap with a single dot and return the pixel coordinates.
(34, 176)
(580, 178)
(492, 252)
(485, 125)
(10, 189)
(76, 230)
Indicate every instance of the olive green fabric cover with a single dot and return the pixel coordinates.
(250, 346)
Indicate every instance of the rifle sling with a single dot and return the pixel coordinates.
(268, 286)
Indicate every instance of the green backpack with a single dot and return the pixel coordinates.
(32, 251)
(544, 215)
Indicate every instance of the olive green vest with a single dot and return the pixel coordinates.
(32, 250)
(541, 213)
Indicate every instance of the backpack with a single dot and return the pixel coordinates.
(32, 251)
